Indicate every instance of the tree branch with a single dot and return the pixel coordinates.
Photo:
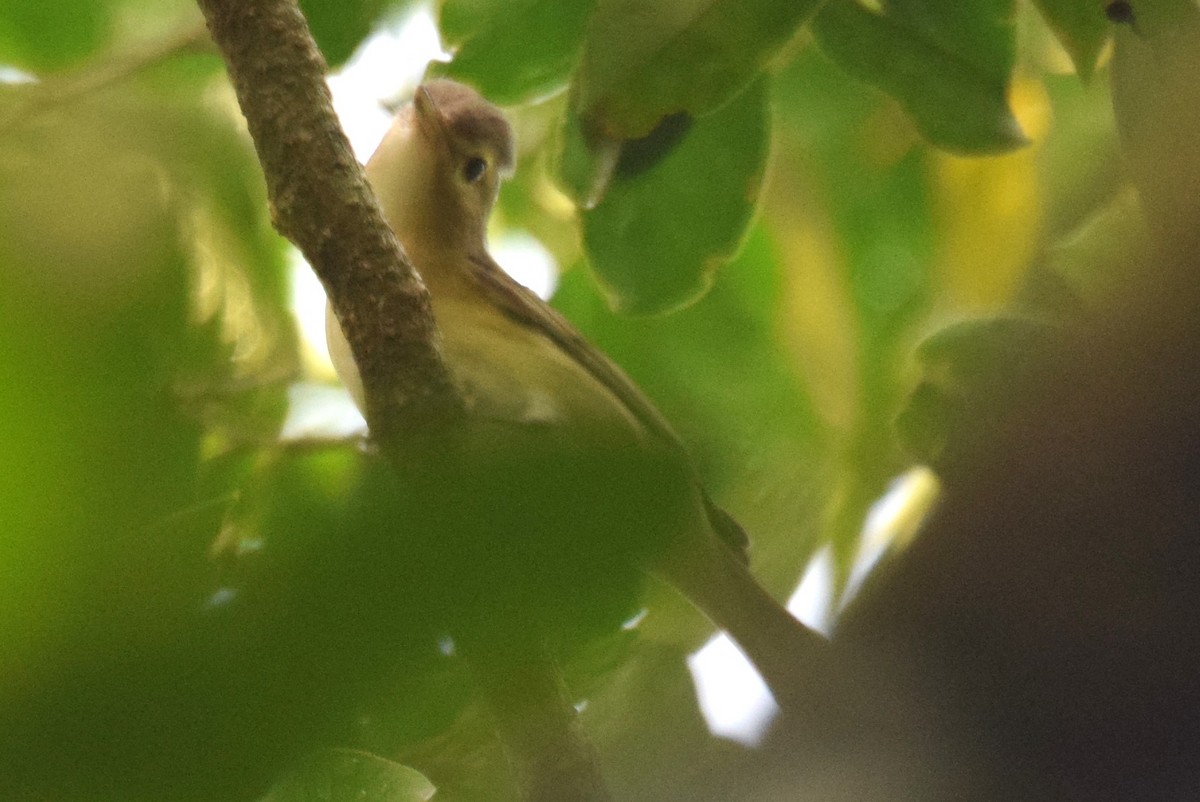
(320, 201)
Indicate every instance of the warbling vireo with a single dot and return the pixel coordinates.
(437, 174)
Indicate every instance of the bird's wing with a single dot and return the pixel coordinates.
(526, 308)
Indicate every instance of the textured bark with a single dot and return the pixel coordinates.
(321, 202)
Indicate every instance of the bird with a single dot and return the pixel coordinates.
(524, 370)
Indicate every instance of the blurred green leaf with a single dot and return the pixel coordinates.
(344, 775)
(513, 52)
(94, 289)
(970, 368)
(41, 37)
(1078, 161)
(645, 61)
(1081, 28)
(1093, 263)
(487, 536)
(981, 35)
(947, 63)
(340, 26)
(1156, 102)
(660, 234)
(131, 225)
(306, 519)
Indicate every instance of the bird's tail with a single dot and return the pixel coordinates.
(719, 584)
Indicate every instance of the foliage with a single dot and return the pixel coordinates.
(759, 209)
(343, 774)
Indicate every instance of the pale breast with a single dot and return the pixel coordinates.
(511, 372)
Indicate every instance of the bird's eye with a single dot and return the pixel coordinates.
(474, 169)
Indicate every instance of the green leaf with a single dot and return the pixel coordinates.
(643, 61)
(1080, 27)
(513, 52)
(668, 222)
(947, 63)
(344, 775)
(339, 26)
(94, 287)
(43, 36)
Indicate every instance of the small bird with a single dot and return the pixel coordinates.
(519, 364)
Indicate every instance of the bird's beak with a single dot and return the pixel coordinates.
(429, 117)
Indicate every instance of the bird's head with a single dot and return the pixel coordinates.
(438, 170)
